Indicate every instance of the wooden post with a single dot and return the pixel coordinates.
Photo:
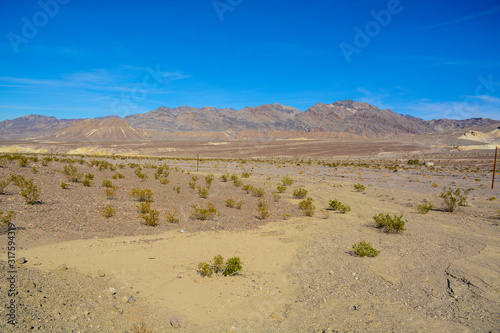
(494, 169)
(197, 160)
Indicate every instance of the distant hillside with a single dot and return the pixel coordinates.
(343, 119)
(107, 129)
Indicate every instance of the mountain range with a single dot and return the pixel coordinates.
(344, 119)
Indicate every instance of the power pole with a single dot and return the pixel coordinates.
(494, 169)
(197, 161)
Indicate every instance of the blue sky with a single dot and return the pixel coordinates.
(83, 59)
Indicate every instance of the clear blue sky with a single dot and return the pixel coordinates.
(79, 59)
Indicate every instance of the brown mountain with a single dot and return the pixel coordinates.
(342, 119)
(106, 129)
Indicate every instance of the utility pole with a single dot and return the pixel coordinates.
(197, 161)
(494, 169)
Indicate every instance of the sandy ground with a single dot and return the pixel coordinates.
(299, 274)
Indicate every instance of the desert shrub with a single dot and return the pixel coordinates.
(162, 171)
(205, 269)
(413, 162)
(142, 176)
(192, 184)
(276, 197)
(237, 182)
(239, 204)
(202, 192)
(46, 160)
(281, 188)
(89, 176)
(224, 177)
(18, 180)
(22, 161)
(359, 187)
(30, 192)
(435, 185)
(263, 209)
(230, 203)
(452, 198)
(234, 177)
(87, 182)
(287, 181)
(177, 189)
(425, 207)
(107, 183)
(364, 249)
(7, 218)
(172, 216)
(299, 193)
(307, 207)
(110, 192)
(3, 185)
(247, 188)
(64, 185)
(151, 217)
(34, 169)
(258, 192)
(231, 267)
(390, 224)
(337, 205)
(118, 176)
(245, 174)
(72, 173)
(194, 178)
(142, 195)
(143, 207)
(490, 198)
(204, 213)
(164, 181)
(108, 211)
(209, 179)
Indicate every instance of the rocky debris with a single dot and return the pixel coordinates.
(175, 322)
(21, 260)
(62, 267)
(100, 273)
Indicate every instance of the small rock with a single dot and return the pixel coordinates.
(37, 263)
(62, 267)
(100, 273)
(124, 299)
(73, 318)
(21, 260)
(112, 291)
(277, 316)
(175, 322)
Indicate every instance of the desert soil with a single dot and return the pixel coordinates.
(441, 274)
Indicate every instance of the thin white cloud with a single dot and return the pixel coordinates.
(462, 19)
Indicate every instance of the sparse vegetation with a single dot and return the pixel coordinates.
(287, 181)
(390, 224)
(172, 216)
(209, 179)
(307, 207)
(364, 249)
(64, 185)
(224, 177)
(118, 176)
(108, 211)
(258, 192)
(231, 267)
(143, 207)
(142, 195)
(276, 197)
(177, 189)
(87, 182)
(3, 185)
(245, 174)
(237, 182)
(7, 218)
(425, 207)
(151, 217)
(192, 184)
(110, 192)
(299, 193)
(413, 162)
(202, 192)
(247, 188)
(337, 205)
(263, 209)
(30, 192)
(281, 188)
(230, 203)
(359, 187)
(204, 213)
(452, 198)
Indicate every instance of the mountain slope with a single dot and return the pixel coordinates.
(31, 126)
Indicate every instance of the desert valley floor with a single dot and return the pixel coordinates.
(84, 272)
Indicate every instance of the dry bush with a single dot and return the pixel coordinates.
(108, 211)
(263, 209)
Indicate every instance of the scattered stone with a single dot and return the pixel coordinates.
(37, 263)
(100, 273)
(116, 309)
(112, 291)
(124, 299)
(21, 260)
(175, 322)
(62, 267)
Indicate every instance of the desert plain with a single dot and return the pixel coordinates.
(79, 271)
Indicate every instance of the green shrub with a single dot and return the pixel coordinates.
(143, 207)
(46, 160)
(247, 188)
(281, 188)
(414, 162)
(364, 249)
(231, 267)
(164, 181)
(107, 183)
(202, 192)
(452, 198)
(18, 180)
(110, 192)
(276, 197)
(359, 187)
(194, 178)
(425, 207)
(307, 207)
(162, 171)
(22, 161)
(87, 182)
(237, 182)
(337, 205)
(224, 177)
(230, 203)
(218, 264)
(204, 213)
(390, 224)
(205, 269)
(245, 174)
(8, 217)
(172, 216)
(118, 176)
(34, 169)
(72, 174)
(209, 179)
(258, 192)
(151, 217)
(89, 176)
(299, 193)
(234, 177)
(239, 204)
(263, 209)
(177, 189)
(142, 195)
(30, 192)
(286, 181)
(192, 184)
(64, 185)
(108, 211)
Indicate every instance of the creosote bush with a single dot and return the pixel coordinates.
(142, 195)
(118, 176)
(110, 192)
(192, 184)
(87, 182)
(247, 188)
(359, 187)
(230, 203)
(202, 192)
(263, 209)
(452, 198)
(245, 174)
(172, 216)
(390, 224)
(337, 205)
(258, 192)
(287, 181)
(281, 188)
(204, 213)
(30, 192)
(107, 183)
(64, 185)
(209, 179)
(151, 217)
(299, 193)
(177, 189)
(224, 177)
(276, 197)
(425, 207)
(7, 218)
(237, 182)
(108, 211)
(307, 206)
(217, 266)
(364, 249)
